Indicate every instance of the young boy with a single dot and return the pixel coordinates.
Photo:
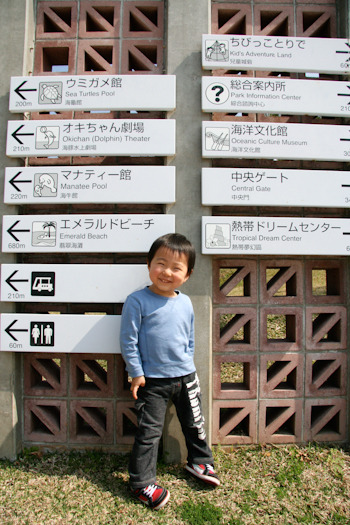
(157, 344)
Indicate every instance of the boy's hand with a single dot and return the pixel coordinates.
(135, 385)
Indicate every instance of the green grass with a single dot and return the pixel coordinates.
(270, 485)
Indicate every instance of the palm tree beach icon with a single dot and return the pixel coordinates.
(44, 233)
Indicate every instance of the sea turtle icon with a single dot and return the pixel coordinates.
(51, 92)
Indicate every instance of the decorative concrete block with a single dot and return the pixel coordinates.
(325, 420)
(56, 20)
(98, 56)
(280, 328)
(280, 421)
(281, 281)
(55, 57)
(326, 328)
(91, 375)
(45, 374)
(91, 422)
(99, 19)
(281, 375)
(143, 19)
(325, 281)
(235, 329)
(326, 374)
(234, 281)
(45, 420)
(234, 376)
(142, 57)
(231, 19)
(234, 422)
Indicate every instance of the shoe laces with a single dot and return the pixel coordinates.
(210, 468)
(150, 490)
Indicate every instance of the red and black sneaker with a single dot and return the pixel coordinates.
(204, 472)
(153, 495)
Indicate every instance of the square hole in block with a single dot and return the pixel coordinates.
(242, 426)
(235, 375)
(319, 326)
(325, 281)
(98, 415)
(98, 368)
(64, 13)
(137, 60)
(287, 426)
(288, 286)
(240, 289)
(281, 327)
(47, 419)
(319, 413)
(42, 380)
(93, 24)
(227, 324)
(139, 24)
(319, 370)
(287, 382)
(55, 59)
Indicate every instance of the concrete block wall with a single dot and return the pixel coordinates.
(257, 386)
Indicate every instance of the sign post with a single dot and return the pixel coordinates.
(88, 334)
(272, 187)
(275, 236)
(93, 93)
(83, 233)
(42, 138)
(271, 140)
(72, 283)
(85, 184)
(276, 53)
(276, 95)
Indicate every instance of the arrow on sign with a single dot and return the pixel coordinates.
(14, 180)
(15, 134)
(9, 281)
(18, 90)
(11, 231)
(344, 94)
(9, 330)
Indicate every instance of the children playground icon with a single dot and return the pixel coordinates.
(216, 50)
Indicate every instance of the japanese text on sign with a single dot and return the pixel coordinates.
(275, 53)
(275, 235)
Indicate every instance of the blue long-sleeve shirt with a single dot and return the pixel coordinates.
(157, 335)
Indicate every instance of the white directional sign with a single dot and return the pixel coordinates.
(275, 236)
(93, 92)
(83, 233)
(72, 283)
(85, 184)
(45, 138)
(276, 53)
(272, 140)
(60, 333)
(273, 187)
(276, 95)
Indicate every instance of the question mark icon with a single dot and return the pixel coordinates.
(220, 90)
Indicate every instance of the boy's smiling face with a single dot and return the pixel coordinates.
(168, 270)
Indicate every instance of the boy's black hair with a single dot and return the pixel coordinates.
(176, 243)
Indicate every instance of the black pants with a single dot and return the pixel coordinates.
(151, 407)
